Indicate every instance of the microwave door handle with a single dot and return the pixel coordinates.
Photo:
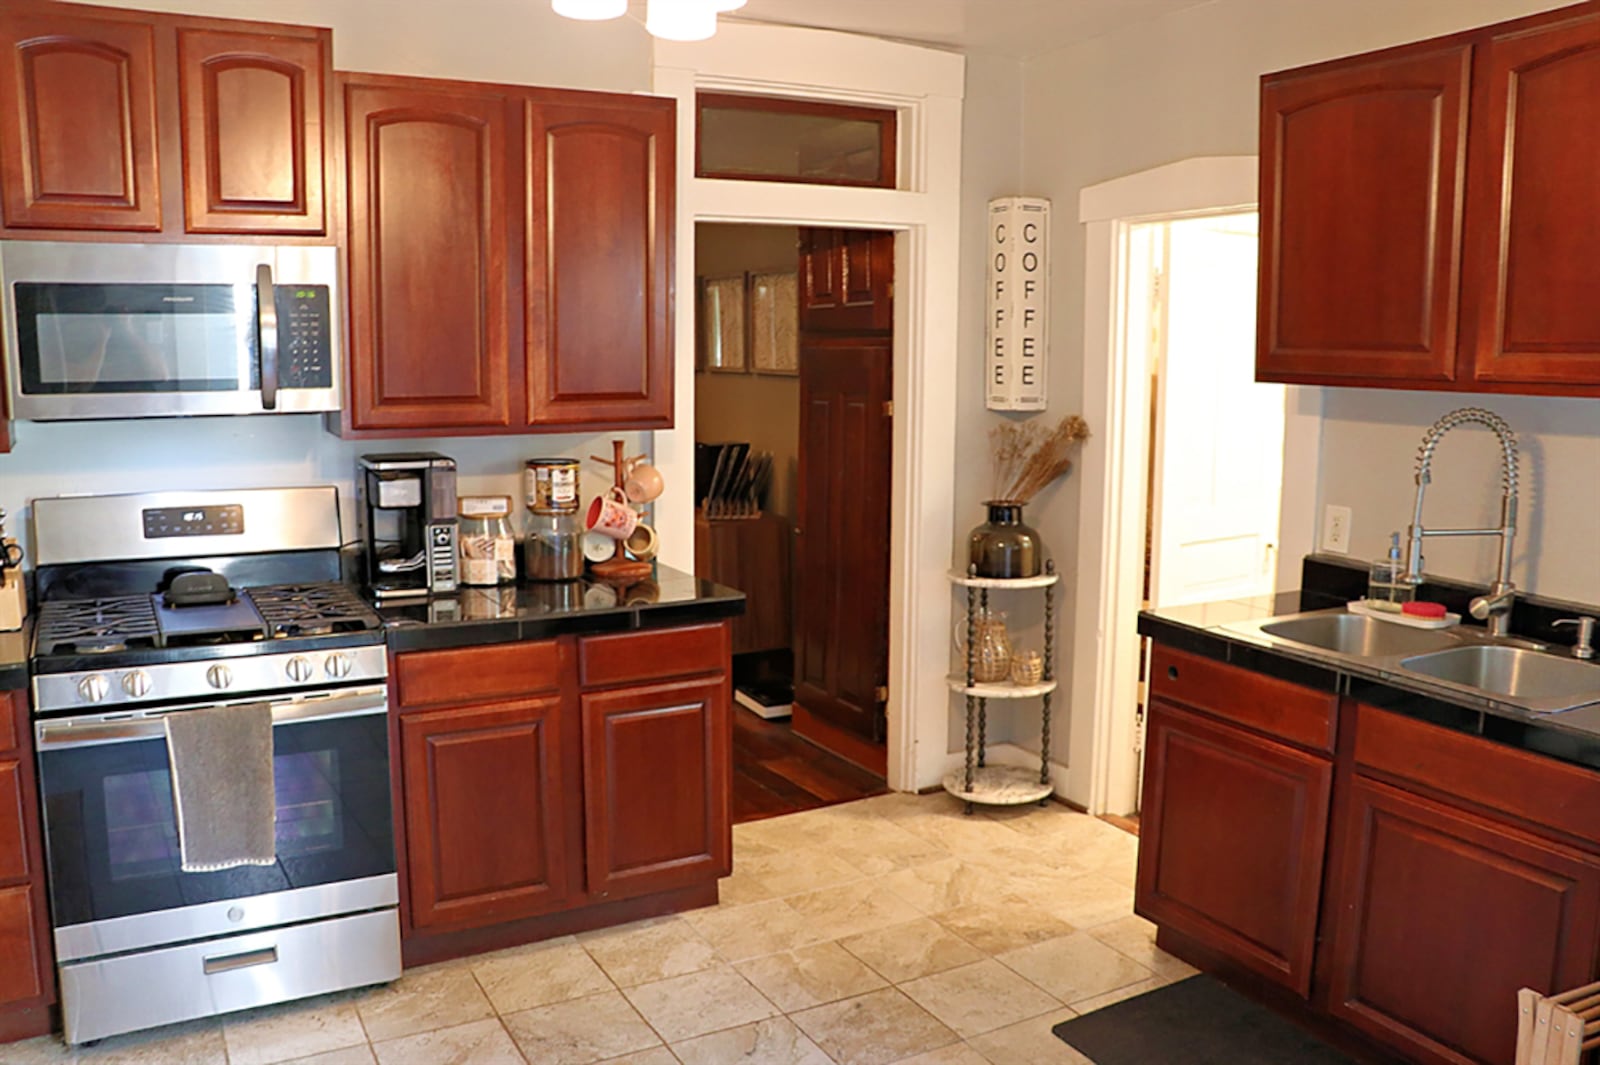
(267, 335)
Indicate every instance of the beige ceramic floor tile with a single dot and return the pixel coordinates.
(653, 1056)
(979, 997)
(786, 833)
(801, 869)
(581, 1031)
(1136, 938)
(1087, 901)
(688, 1006)
(192, 1043)
(957, 1054)
(874, 1029)
(771, 1042)
(538, 975)
(1001, 923)
(439, 998)
(906, 951)
(1075, 967)
(810, 976)
(477, 1043)
(649, 950)
(852, 909)
(748, 931)
(293, 1030)
(361, 1055)
(958, 833)
(876, 846)
(1121, 994)
(939, 886)
(1030, 1042)
(742, 888)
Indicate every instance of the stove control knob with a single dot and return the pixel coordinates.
(300, 669)
(94, 687)
(219, 676)
(338, 665)
(136, 683)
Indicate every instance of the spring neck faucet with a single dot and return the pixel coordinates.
(1496, 606)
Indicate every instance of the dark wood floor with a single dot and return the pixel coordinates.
(776, 772)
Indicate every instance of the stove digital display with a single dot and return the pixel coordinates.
(162, 522)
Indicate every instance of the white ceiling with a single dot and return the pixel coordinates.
(1019, 28)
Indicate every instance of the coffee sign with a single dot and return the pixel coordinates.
(1017, 334)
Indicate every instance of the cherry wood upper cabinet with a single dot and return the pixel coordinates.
(78, 140)
(1532, 314)
(432, 282)
(846, 281)
(1443, 915)
(254, 109)
(1362, 168)
(599, 260)
(657, 782)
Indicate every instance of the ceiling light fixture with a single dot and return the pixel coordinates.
(590, 10)
(681, 20)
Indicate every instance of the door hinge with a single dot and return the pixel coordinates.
(888, 408)
(881, 693)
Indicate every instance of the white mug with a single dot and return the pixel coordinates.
(643, 543)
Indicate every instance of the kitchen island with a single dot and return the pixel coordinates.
(562, 758)
(1383, 857)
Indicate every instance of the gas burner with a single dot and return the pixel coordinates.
(96, 626)
(312, 609)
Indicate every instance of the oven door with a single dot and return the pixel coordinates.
(111, 835)
(103, 331)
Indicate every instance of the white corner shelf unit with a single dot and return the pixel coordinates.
(995, 785)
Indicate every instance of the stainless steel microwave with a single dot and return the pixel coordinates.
(150, 330)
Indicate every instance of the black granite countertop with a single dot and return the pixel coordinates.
(1572, 735)
(533, 611)
(14, 659)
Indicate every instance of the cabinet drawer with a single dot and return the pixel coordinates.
(476, 674)
(13, 834)
(1542, 791)
(627, 657)
(1275, 707)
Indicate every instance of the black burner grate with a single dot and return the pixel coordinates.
(88, 626)
(312, 609)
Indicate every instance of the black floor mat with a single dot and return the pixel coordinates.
(1197, 1021)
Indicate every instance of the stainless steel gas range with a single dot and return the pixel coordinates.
(161, 611)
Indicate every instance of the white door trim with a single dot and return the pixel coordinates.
(926, 87)
(1110, 554)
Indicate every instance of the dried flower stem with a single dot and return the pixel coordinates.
(1025, 460)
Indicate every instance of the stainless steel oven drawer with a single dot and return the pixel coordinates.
(126, 993)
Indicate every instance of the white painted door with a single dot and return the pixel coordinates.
(1218, 467)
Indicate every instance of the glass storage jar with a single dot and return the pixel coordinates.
(488, 541)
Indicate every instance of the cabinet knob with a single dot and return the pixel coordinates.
(1172, 672)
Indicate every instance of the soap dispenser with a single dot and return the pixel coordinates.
(1387, 583)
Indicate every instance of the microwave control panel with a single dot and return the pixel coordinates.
(305, 326)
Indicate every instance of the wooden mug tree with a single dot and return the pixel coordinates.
(619, 568)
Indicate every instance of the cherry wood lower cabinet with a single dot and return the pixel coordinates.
(1443, 915)
(27, 982)
(1232, 837)
(543, 778)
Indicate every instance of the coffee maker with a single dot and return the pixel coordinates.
(406, 502)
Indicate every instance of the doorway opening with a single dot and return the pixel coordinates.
(793, 449)
(1214, 436)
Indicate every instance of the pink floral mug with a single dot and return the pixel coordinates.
(610, 514)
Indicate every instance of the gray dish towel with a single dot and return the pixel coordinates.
(221, 763)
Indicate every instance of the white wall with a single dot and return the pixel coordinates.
(519, 41)
(1186, 85)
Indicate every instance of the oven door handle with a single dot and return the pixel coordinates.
(267, 335)
(95, 731)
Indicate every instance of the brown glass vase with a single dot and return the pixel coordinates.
(1003, 546)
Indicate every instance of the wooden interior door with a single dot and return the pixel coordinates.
(78, 132)
(1362, 166)
(1533, 216)
(431, 278)
(842, 553)
(599, 262)
(846, 281)
(254, 115)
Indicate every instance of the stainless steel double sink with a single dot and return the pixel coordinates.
(1460, 660)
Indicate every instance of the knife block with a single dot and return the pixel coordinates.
(13, 600)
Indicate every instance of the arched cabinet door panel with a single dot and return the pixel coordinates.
(78, 126)
(253, 114)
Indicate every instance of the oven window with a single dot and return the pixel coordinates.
(112, 837)
(77, 338)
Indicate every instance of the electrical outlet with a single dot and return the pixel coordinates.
(1336, 529)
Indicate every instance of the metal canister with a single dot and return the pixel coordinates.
(552, 485)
